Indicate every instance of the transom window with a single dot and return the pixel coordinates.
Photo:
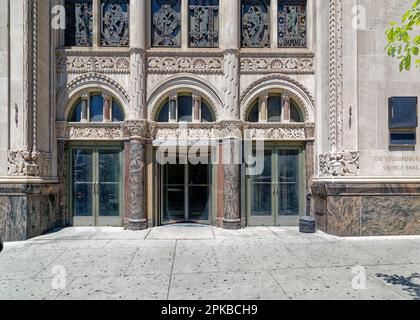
(185, 107)
(275, 107)
(113, 30)
(96, 107)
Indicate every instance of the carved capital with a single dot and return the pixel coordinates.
(231, 129)
(339, 164)
(136, 129)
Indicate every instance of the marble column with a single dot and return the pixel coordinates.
(231, 128)
(286, 107)
(136, 124)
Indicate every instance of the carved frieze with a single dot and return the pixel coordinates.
(289, 132)
(89, 131)
(192, 64)
(25, 163)
(339, 164)
(285, 65)
(135, 129)
(84, 64)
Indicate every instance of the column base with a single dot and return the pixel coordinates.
(232, 224)
(137, 225)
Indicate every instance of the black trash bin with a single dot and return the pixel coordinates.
(307, 223)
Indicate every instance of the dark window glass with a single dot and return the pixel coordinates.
(76, 114)
(206, 113)
(166, 23)
(79, 23)
(253, 115)
(204, 23)
(96, 108)
(274, 109)
(114, 23)
(403, 113)
(403, 139)
(117, 113)
(185, 108)
(164, 113)
(255, 27)
(295, 114)
(292, 28)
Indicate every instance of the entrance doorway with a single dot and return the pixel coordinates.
(276, 197)
(96, 186)
(185, 193)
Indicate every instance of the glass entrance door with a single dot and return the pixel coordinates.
(96, 186)
(185, 193)
(275, 197)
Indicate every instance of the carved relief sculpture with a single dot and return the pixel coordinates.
(204, 23)
(292, 29)
(255, 30)
(114, 23)
(339, 164)
(166, 25)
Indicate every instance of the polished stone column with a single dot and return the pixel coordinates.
(231, 128)
(286, 107)
(263, 111)
(85, 102)
(136, 126)
(107, 107)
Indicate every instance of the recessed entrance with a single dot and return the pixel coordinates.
(96, 186)
(185, 191)
(275, 197)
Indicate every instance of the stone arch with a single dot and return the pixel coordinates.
(183, 82)
(69, 94)
(282, 83)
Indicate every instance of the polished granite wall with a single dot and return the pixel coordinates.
(27, 211)
(367, 209)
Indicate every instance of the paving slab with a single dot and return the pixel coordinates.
(182, 232)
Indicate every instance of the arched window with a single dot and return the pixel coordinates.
(96, 107)
(185, 107)
(275, 107)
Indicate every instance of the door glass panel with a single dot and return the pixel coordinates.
(289, 182)
(173, 192)
(261, 189)
(82, 183)
(109, 183)
(199, 191)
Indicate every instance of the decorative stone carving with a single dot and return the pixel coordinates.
(136, 129)
(89, 131)
(339, 164)
(166, 23)
(255, 30)
(138, 84)
(275, 132)
(204, 23)
(170, 132)
(231, 129)
(114, 24)
(310, 131)
(231, 88)
(192, 64)
(85, 64)
(25, 163)
(286, 65)
(292, 27)
(335, 73)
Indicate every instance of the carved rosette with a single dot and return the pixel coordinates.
(25, 163)
(339, 164)
(136, 129)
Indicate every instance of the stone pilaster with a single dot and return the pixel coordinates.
(136, 131)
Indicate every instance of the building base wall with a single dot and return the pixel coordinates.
(355, 209)
(27, 211)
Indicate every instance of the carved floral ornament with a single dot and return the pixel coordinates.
(340, 164)
(25, 163)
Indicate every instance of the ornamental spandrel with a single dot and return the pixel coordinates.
(79, 25)
(166, 23)
(292, 24)
(255, 26)
(114, 23)
(204, 23)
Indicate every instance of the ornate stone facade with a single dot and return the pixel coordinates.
(340, 164)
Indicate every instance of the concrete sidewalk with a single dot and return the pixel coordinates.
(203, 262)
